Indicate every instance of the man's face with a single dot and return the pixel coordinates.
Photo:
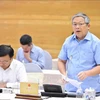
(26, 48)
(80, 28)
(5, 61)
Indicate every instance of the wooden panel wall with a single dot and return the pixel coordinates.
(47, 21)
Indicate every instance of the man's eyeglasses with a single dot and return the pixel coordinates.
(79, 24)
(4, 62)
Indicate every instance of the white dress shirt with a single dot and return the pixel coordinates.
(14, 74)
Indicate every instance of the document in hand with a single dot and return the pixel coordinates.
(72, 81)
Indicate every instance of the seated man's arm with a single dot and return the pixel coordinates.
(41, 60)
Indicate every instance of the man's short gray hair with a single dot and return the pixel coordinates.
(86, 18)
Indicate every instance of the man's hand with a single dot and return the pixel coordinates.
(27, 56)
(64, 79)
(64, 82)
(3, 85)
(82, 75)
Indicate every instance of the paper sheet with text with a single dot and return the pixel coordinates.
(72, 81)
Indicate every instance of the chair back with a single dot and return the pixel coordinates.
(48, 60)
(54, 64)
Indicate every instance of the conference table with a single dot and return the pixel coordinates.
(8, 96)
(47, 77)
(11, 96)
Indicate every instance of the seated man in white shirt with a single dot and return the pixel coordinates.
(11, 70)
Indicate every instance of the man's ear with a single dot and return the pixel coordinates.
(88, 26)
(31, 45)
(11, 58)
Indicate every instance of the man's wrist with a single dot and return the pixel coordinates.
(30, 60)
(3, 85)
(87, 73)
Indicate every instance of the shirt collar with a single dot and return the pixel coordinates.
(87, 37)
(12, 64)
